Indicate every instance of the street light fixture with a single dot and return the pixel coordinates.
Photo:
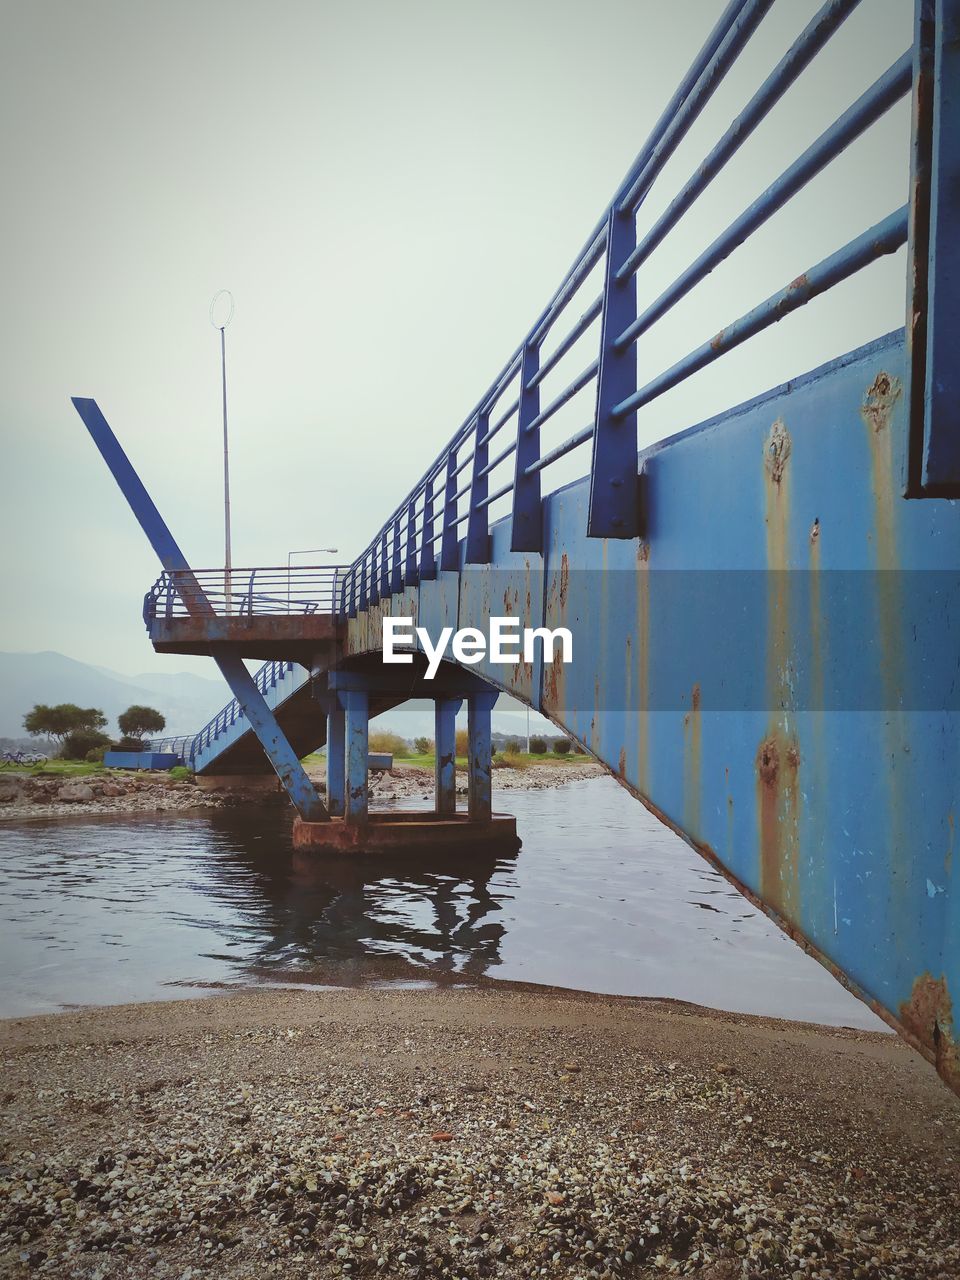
(310, 551)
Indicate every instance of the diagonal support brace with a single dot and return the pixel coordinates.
(281, 755)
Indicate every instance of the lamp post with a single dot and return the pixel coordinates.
(221, 313)
(310, 551)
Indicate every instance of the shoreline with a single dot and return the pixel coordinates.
(468, 1132)
(27, 798)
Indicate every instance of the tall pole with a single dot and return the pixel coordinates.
(227, 565)
(222, 304)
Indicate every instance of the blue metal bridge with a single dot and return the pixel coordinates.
(764, 605)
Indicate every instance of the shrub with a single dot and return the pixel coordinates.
(562, 746)
(423, 746)
(513, 747)
(512, 760)
(180, 772)
(384, 740)
(538, 747)
(80, 741)
(95, 755)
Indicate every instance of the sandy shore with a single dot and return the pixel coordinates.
(468, 1133)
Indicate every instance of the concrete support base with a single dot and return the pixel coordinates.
(243, 783)
(408, 833)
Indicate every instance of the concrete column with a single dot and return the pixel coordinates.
(336, 756)
(445, 732)
(479, 783)
(357, 750)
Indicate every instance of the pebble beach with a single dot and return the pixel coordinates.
(495, 1131)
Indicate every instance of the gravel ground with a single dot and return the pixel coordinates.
(410, 781)
(467, 1134)
(23, 797)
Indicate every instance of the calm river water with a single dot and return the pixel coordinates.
(601, 897)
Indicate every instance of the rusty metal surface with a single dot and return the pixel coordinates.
(838, 821)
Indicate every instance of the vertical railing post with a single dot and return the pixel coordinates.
(428, 567)
(445, 747)
(933, 299)
(383, 587)
(410, 576)
(449, 555)
(614, 510)
(526, 533)
(396, 572)
(364, 598)
(478, 527)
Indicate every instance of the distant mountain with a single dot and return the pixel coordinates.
(187, 701)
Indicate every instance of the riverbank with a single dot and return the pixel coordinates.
(468, 1133)
(25, 796)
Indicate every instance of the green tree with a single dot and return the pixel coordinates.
(136, 722)
(562, 746)
(538, 747)
(423, 746)
(65, 718)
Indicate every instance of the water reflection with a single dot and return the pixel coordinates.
(601, 897)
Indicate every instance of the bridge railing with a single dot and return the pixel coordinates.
(247, 592)
(497, 455)
(266, 678)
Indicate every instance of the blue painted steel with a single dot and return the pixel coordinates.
(449, 555)
(886, 237)
(244, 688)
(336, 758)
(428, 567)
(941, 401)
(839, 823)
(614, 510)
(527, 532)
(141, 759)
(357, 705)
(797, 58)
(445, 746)
(477, 549)
(479, 756)
(867, 109)
(673, 133)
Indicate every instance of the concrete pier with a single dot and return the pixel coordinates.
(408, 833)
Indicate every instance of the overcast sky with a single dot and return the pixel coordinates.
(391, 191)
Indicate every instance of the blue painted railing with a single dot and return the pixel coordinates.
(479, 466)
(230, 721)
(302, 589)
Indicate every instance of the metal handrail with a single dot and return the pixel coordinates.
(281, 589)
(437, 506)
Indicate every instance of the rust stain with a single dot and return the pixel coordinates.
(778, 757)
(717, 342)
(692, 763)
(622, 764)
(643, 667)
(564, 580)
(799, 283)
(877, 410)
(927, 1019)
(946, 1059)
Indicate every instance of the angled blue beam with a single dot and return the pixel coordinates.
(281, 755)
(526, 533)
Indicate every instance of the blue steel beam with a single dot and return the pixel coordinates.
(838, 823)
(941, 372)
(279, 752)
